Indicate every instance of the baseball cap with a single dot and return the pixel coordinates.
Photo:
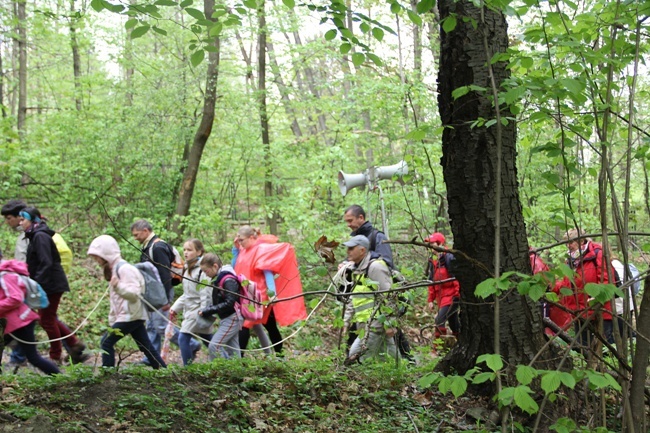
(358, 240)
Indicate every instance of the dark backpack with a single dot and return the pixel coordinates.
(155, 295)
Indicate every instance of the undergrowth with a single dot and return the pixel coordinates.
(309, 394)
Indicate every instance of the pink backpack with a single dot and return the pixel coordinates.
(250, 299)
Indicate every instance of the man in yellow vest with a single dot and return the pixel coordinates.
(373, 312)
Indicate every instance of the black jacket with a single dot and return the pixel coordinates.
(43, 259)
(162, 260)
(376, 238)
(223, 300)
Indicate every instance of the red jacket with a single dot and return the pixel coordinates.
(588, 269)
(438, 269)
(12, 296)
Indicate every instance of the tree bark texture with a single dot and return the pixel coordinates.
(469, 166)
(2, 84)
(76, 58)
(284, 92)
(203, 132)
(21, 42)
(640, 364)
(271, 220)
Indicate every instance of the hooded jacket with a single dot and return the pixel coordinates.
(588, 268)
(12, 296)
(43, 259)
(125, 296)
(438, 269)
(196, 296)
(224, 300)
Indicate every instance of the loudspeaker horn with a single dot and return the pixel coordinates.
(400, 169)
(349, 181)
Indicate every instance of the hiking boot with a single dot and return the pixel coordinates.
(77, 355)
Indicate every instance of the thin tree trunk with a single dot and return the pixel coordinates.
(271, 220)
(76, 59)
(129, 70)
(417, 63)
(2, 82)
(640, 364)
(21, 43)
(284, 92)
(203, 132)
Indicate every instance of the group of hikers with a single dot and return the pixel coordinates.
(210, 307)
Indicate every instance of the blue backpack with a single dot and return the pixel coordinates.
(35, 296)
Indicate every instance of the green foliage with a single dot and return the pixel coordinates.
(301, 394)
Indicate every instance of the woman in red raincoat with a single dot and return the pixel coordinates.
(586, 259)
(446, 295)
(273, 266)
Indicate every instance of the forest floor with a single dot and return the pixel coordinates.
(304, 391)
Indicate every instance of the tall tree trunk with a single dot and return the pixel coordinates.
(469, 166)
(129, 70)
(21, 42)
(2, 83)
(76, 59)
(284, 91)
(640, 364)
(271, 220)
(203, 132)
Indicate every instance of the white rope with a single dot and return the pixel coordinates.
(81, 325)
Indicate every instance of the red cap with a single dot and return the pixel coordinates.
(436, 237)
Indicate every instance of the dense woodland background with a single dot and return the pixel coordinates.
(202, 122)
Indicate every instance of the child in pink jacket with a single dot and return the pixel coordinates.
(20, 319)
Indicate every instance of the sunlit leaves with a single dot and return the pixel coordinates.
(140, 31)
(330, 34)
(415, 18)
(289, 3)
(197, 57)
(358, 59)
(195, 13)
(493, 361)
(378, 33)
(449, 23)
(425, 6)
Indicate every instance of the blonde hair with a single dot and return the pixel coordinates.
(576, 235)
(211, 259)
(248, 231)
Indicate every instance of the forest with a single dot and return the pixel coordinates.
(517, 120)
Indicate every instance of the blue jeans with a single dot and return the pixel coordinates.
(26, 333)
(18, 357)
(139, 334)
(156, 331)
(187, 346)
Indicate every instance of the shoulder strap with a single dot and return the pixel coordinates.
(373, 239)
(168, 247)
(118, 266)
(226, 277)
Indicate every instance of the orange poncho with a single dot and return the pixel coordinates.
(280, 258)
